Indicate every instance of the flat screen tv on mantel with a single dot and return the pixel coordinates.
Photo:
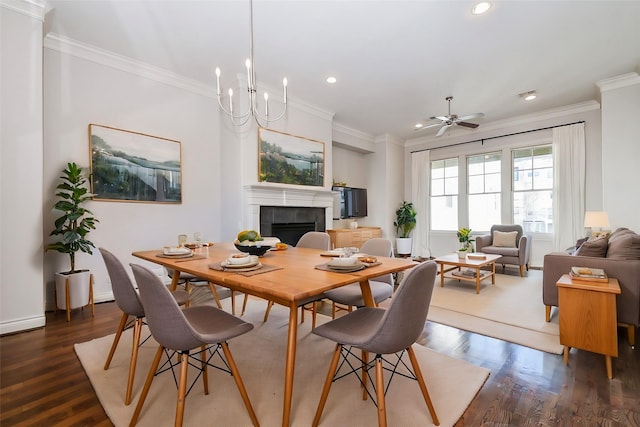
(353, 202)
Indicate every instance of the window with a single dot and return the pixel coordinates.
(533, 188)
(483, 176)
(444, 194)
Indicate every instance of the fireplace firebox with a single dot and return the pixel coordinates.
(289, 223)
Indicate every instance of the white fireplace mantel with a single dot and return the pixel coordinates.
(279, 195)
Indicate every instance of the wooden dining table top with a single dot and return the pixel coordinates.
(295, 282)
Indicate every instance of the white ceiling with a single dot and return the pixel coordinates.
(395, 61)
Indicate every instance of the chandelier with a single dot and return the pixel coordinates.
(240, 119)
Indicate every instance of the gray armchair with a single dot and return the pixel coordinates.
(513, 252)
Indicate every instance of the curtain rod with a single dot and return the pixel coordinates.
(482, 140)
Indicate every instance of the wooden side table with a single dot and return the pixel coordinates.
(588, 317)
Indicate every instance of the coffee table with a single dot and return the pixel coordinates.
(453, 262)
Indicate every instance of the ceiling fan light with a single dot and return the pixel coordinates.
(481, 8)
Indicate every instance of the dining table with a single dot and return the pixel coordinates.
(291, 278)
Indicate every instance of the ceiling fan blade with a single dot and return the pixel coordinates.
(427, 127)
(471, 117)
(443, 118)
(468, 125)
(443, 129)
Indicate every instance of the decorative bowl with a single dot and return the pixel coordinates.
(252, 249)
(343, 262)
(239, 258)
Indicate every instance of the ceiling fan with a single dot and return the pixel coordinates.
(452, 120)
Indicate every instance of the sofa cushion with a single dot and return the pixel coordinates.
(620, 232)
(594, 247)
(505, 239)
(495, 250)
(624, 246)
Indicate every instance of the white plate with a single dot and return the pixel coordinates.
(355, 267)
(226, 264)
(186, 255)
(241, 268)
(176, 251)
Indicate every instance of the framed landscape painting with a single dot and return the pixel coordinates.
(290, 159)
(134, 167)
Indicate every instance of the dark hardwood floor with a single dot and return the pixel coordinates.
(43, 384)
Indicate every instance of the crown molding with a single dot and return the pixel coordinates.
(81, 50)
(32, 8)
(618, 82)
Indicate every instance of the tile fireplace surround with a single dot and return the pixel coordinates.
(257, 196)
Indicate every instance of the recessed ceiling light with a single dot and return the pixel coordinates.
(331, 80)
(481, 8)
(529, 95)
(418, 125)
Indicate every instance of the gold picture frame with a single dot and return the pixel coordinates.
(129, 166)
(289, 159)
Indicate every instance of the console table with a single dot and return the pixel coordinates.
(352, 237)
(588, 317)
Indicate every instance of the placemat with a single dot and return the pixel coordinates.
(326, 267)
(264, 269)
(191, 258)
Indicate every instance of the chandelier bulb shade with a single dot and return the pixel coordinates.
(252, 111)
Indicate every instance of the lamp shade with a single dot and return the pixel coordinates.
(593, 219)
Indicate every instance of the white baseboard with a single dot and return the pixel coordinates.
(19, 325)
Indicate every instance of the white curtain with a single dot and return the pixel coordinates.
(420, 163)
(568, 185)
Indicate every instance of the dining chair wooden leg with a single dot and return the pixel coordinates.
(314, 311)
(147, 386)
(423, 386)
(266, 313)
(327, 384)
(365, 360)
(137, 332)
(239, 383)
(182, 388)
(116, 339)
(233, 302)
(214, 291)
(382, 409)
(205, 371)
(244, 303)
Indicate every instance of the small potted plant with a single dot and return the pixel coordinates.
(71, 230)
(405, 223)
(464, 237)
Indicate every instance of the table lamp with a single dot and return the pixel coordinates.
(596, 219)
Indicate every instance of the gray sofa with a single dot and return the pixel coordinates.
(516, 253)
(618, 255)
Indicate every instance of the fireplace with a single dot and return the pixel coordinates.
(294, 211)
(289, 223)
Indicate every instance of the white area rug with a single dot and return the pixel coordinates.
(260, 356)
(510, 310)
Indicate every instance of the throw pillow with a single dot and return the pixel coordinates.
(625, 247)
(594, 247)
(505, 239)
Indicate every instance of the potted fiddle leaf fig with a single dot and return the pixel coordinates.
(405, 223)
(70, 231)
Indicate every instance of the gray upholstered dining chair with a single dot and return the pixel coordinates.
(379, 331)
(381, 287)
(128, 301)
(312, 239)
(182, 330)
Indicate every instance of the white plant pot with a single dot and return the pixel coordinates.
(79, 284)
(462, 254)
(403, 245)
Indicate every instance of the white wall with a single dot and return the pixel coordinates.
(443, 242)
(81, 89)
(21, 289)
(621, 150)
